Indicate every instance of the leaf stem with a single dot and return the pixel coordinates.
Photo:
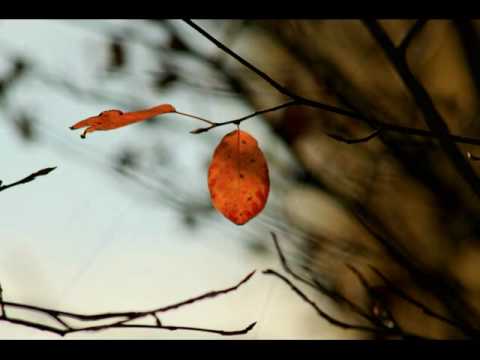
(196, 117)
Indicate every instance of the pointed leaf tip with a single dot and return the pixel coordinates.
(114, 119)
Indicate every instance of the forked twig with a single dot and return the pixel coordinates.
(125, 317)
(412, 32)
(403, 295)
(239, 120)
(319, 311)
(355, 115)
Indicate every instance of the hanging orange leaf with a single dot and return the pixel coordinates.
(238, 177)
(114, 119)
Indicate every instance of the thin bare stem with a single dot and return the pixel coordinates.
(319, 311)
(336, 296)
(239, 120)
(355, 141)
(119, 319)
(29, 178)
(157, 319)
(195, 117)
(2, 305)
(240, 59)
(389, 327)
(403, 295)
(388, 320)
(333, 109)
(412, 32)
(432, 117)
(174, 328)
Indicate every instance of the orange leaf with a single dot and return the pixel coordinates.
(238, 177)
(114, 119)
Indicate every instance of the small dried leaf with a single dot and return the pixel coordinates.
(114, 119)
(238, 177)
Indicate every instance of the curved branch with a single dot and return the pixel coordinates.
(356, 141)
(60, 316)
(319, 311)
(336, 296)
(319, 105)
(403, 295)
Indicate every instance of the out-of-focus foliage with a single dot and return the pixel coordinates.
(405, 185)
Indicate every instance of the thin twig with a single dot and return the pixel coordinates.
(388, 320)
(336, 296)
(240, 59)
(157, 319)
(358, 310)
(319, 311)
(379, 327)
(62, 332)
(355, 141)
(196, 117)
(412, 32)
(2, 305)
(403, 295)
(239, 120)
(432, 117)
(29, 178)
(190, 328)
(125, 316)
(319, 105)
(132, 314)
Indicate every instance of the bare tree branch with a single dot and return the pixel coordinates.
(29, 178)
(319, 311)
(400, 293)
(356, 141)
(334, 295)
(432, 117)
(2, 305)
(383, 317)
(350, 114)
(414, 30)
(239, 120)
(381, 325)
(115, 322)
